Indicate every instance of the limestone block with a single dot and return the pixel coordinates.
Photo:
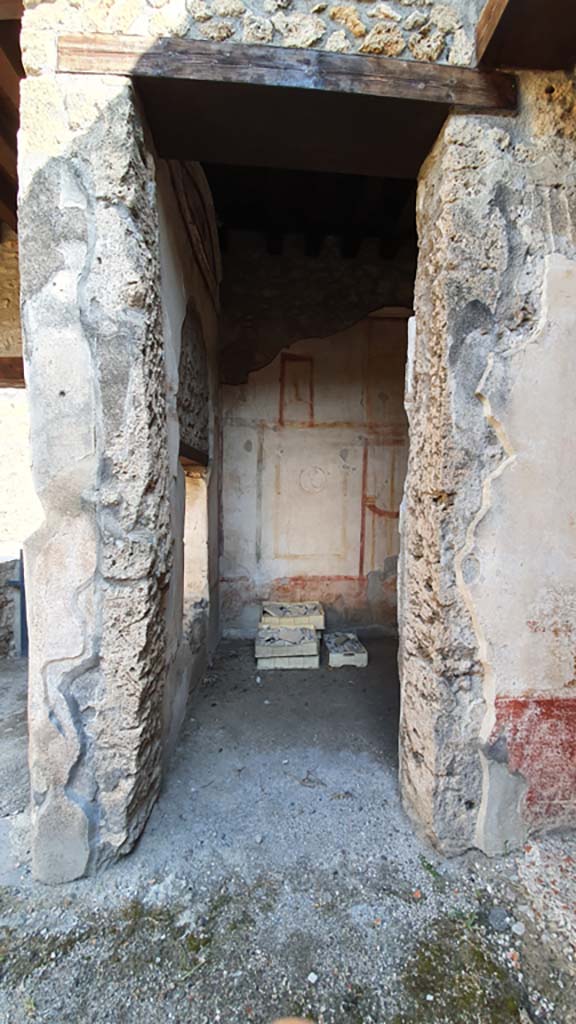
(217, 31)
(307, 662)
(293, 615)
(338, 42)
(345, 650)
(286, 643)
(257, 30)
(347, 15)
(427, 44)
(300, 30)
(385, 39)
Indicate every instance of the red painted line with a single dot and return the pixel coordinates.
(311, 393)
(289, 357)
(363, 509)
(370, 504)
(282, 390)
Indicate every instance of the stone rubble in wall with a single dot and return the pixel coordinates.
(410, 29)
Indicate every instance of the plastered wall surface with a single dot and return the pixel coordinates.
(191, 338)
(20, 510)
(314, 450)
(411, 29)
(487, 599)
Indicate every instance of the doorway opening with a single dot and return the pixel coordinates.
(317, 285)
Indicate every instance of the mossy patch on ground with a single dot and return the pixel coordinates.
(452, 975)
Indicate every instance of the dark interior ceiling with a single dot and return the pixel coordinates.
(313, 206)
(306, 254)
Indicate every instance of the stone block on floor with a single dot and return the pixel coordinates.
(345, 651)
(293, 615)
(307, 662)
(286, 643)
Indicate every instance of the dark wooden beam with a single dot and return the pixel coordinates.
(9, 81)
(11, 10)
(8, 201)
(527, 34)
(8, 160)
(192, 456)
(288, 69)
(11, 372)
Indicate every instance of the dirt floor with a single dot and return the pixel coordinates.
(279, 875)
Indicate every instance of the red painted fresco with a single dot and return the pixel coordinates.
(290, 359)
(541, 742)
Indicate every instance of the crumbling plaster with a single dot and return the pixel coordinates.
(270, 302)
(487, 604)
(410, 29)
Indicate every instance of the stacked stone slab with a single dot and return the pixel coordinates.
(345, 651)
(288, 636)
(287, 648)
(292, 615)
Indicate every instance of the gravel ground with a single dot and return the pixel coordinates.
(279, 875)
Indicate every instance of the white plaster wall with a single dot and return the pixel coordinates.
(20, 509)
(526, 606)
(192, 530)
(314, 457)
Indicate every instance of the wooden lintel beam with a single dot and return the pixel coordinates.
(11, 10)
(8, 159)
(9, 82)
(11, 372)
(193, 60)
(190, 456)
(488, 22)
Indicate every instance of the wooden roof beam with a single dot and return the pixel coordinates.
(196, 61)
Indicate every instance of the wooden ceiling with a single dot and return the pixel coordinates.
(538, 34)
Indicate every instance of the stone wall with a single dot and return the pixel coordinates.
(9, 607)
(98, 570)
(410, 29)
(314, 456)
(488, 603)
